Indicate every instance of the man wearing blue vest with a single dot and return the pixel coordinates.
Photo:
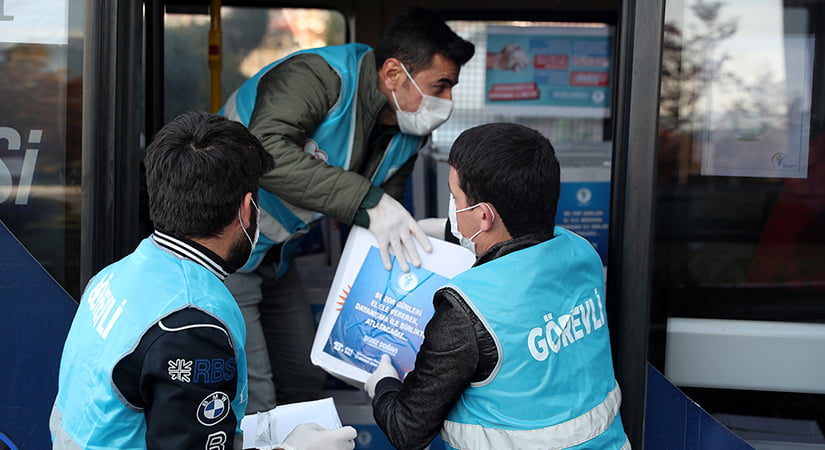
(155, 356)
(344, 124)
(517, 355)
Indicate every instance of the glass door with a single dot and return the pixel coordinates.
(738, 298)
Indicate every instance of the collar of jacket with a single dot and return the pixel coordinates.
(512, 245)
(369, 96)
(184, 248)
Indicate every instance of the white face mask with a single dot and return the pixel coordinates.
(432, 112)
(452, 213)
(253, 241)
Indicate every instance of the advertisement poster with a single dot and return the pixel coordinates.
(385, 312)
(549, 71)
(760, 125)
(584, 208)
(371, 311)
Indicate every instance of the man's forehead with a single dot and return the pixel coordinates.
(440, 69)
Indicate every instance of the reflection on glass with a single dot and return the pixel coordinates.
(755, 113)
(251, 39)
(736, 100)
(40, 131)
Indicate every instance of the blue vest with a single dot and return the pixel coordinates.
(331, 141)
(554, 385)
(120, 304)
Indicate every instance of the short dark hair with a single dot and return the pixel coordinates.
(418, 35)
(512, 167)
(199, 166)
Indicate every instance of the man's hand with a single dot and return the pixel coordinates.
(311, 436)
(385, 369)
(394, 228)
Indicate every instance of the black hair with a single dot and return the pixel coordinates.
(198, 169)
(418, 35)
(514, 168)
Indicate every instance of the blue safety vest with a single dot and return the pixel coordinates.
(331, 141)
(121, 303)
(554, 385)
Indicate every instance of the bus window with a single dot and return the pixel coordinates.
(41, 65)
(251, 39)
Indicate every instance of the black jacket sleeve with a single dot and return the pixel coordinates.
(411, 413)
(183, 376)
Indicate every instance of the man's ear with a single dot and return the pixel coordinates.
(246, 208)
(391, 74)
(489, 216)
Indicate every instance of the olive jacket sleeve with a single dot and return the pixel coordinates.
(293, 99)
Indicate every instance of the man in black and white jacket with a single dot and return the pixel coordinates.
(155, 355)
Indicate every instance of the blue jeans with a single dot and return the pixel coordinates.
(279, 334)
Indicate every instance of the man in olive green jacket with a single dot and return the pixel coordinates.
(344, 124)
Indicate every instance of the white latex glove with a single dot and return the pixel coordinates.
(385, 369)
(394, 228)
(311, 436)
(434, 226)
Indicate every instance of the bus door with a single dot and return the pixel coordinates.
(738, 291)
